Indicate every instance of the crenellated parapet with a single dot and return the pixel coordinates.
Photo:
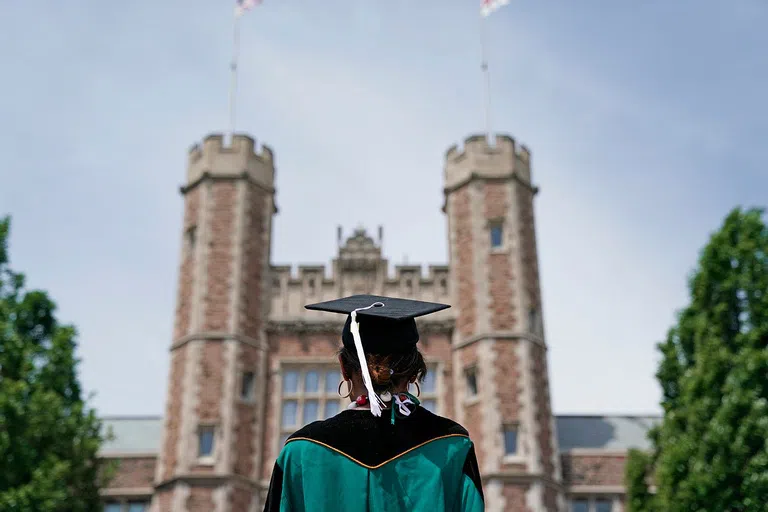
(213, 158)
(476, 158)
(294, 286)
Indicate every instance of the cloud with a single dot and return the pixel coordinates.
(637, 154)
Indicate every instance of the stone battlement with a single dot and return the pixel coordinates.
(215, 159)
(294, 286)
(295, 274)
(478, 159)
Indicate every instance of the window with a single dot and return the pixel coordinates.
(127, 506)
(470, 378)
(443, 286)
(332, 380)
(276, 286)
(246, 389)
(310, 393)
(592, 504)
(497, 235)
(291, 381)
(603, 506)
(533, 321)
(205, 441)
(580, 506)
(331, 408)
(428, 396)
(312, 381)
(190, 238)
(311, 287)
(510, 440)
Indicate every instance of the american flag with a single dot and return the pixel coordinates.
(244, 5)
(488, 6)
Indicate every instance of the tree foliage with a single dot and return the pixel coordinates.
(49, 438)
(710, 452)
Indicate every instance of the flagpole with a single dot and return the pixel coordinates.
(487, 78)
(233, 71)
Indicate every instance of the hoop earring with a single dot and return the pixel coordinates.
(350, 389)
(418, 389)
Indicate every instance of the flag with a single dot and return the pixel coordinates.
(244, 5)
(488, 6)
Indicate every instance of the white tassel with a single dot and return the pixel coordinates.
(374, 400)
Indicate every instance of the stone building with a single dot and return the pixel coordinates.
(249, 365)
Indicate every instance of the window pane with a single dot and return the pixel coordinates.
(496, 235)
(138, 507)
(310, 411)
(312, 382)
(246, 389)
(205, 444)
(471, 378)
(429, 405)
(112, 507)
(603, 506)
(510, 441)
(290, 381)
(580, 506)
(290, 408)
(428, 386)
(331, 408)
(332, 379)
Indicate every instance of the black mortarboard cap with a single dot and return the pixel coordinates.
(387, 328)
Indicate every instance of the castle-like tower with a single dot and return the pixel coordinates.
(249, 365)
(211, 452)
(499, 352)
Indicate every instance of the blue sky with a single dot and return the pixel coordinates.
(646, 121)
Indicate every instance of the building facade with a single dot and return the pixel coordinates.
(249, 365)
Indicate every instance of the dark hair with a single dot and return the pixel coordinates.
(387, 371)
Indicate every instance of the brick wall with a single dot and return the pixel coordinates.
(210, 383)
(132, 472)
(543, 408)
(529, 252)
(247, 415)
(164, 500)
(240, 499)
(515, 499)
(173, 409)
(438, 347)
(463, 261)
(200, 499)
(501, 300)
(598, 469)
(186, 270)
(507, 381)
(254, 296)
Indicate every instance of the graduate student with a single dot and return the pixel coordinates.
(384, 452)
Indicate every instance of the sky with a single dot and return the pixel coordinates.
(646, 120)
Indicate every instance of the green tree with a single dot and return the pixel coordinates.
(49, 438)
(710, 452)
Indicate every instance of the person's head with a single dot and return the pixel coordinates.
(379, 340)
(389, 372)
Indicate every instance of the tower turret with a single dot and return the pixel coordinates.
(210, 451)
(500, 363)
